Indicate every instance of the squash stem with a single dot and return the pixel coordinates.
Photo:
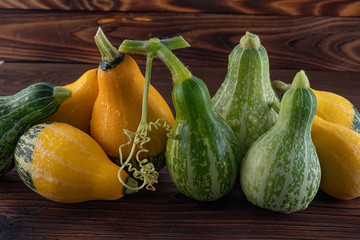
(276, 105)
(283, 87)
(161, 49)
(250, 40)
(108, 51)
(178, 70)
(144, 47)
(61, 94)
(149, 60)
(300, 80)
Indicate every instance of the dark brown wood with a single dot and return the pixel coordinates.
(250, 7)
(311, 43)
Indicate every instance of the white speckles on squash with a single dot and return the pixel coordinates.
(244, 98)
(281, 171)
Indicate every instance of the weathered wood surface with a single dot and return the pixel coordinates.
(310, 43)
(251, 7)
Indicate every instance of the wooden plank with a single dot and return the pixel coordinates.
(310, 43)
(249, 7)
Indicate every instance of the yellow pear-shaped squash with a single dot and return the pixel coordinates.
(336, 109)
(77, 110)
(118, 106)
(338, 149)
(64, 164)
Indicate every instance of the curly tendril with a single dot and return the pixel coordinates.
(146, 173)
(138, 139)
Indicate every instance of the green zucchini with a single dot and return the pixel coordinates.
(19, 111)
(281, 170)
(244, 98)
(202, 154)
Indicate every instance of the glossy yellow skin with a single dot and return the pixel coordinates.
(68, 166)
(77, 110)
(334, 108)
(119, 105)
(338, 149)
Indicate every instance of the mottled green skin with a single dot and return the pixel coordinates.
(244, 97)
(356, 121)
(203, 156)
(281, 170)
(24, 151)
(17, 113)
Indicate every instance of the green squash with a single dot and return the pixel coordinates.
(19, 111)
(244, 98)
(281, 170)
(203, 157)
(202, 154)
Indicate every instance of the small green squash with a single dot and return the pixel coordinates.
(19, 111)
(202, 154)
(281, 170)
(244, 98)
(202, 157)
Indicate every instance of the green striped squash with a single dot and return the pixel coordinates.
(19, 111)
(281, 170)
(245, 96)
(202, 154)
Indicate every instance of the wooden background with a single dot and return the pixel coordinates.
(43, 40)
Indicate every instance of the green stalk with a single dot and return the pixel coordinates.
(108, 51)
(61, 94)
(283, 87)
(300, 80)
(151, 49)
(250, 40)
(276, 105)
(161, 49)
(178, 70)
(146, 90)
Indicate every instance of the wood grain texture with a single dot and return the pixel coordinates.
(311, 43)
(249, 7)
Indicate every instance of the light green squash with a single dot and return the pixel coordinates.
(281, 170)
(244, 98)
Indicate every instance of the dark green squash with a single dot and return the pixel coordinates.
(202, 155)
(19, 111)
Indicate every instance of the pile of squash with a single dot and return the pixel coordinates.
(281, 150)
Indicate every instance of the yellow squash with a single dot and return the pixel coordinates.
(331, 107)
(64, 164)
(118, 105)
(338, 148)
(77, 110)
(337, 109)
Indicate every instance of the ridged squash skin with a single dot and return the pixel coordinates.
(202, 156)
(64, 164)
(244, 98)
(281, 171)
(118, 106)
(21, 110)
(338, 148)
(77, 110)
(337, 109)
